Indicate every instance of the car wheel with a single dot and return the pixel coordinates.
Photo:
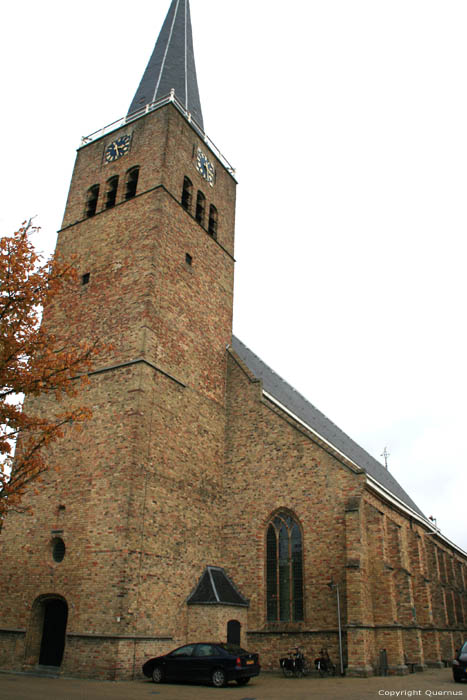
(157, 674)
(218, 678)
(242, 681)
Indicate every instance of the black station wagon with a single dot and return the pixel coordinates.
(204, 662)
(459, 665)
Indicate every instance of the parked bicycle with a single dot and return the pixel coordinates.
(295, 664)
(324, 665)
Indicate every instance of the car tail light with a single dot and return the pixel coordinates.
(238, 662)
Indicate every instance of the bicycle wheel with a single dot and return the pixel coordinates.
(288, 673)
(306, 668)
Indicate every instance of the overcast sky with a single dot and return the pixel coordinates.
(346, 121)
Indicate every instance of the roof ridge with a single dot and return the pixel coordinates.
(284, 381)
(307, 412)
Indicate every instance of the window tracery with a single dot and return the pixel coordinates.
(284, 569)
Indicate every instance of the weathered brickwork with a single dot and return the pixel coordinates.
(208, 622)
(186, 461)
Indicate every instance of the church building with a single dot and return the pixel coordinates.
(206, 499)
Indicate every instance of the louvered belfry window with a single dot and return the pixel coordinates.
(111, 194)
(212, 223)
(200, 207)
(131, 183)
(284, 569)
(187, 193)
(91, 200)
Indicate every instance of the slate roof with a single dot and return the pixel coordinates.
(216, 588)
(172, 65)
(303, 409)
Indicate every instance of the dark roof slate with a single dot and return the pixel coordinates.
(303, 409)
(172, 64)
(216, 588)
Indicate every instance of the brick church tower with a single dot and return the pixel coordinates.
(98, 577)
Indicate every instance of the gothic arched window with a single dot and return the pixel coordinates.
(284, 569)
(187, 193)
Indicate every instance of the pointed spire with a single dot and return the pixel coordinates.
(172, 64)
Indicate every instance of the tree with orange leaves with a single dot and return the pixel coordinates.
(33, 362)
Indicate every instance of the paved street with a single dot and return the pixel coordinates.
(269, 686)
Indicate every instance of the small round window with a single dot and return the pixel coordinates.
(58, 549)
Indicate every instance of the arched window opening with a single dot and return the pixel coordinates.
(212, 224)
(200, 207)
(284, 569)
(131, 183)
(91, 200)
(187, 193)
(111, 194)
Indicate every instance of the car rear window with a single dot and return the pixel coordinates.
(233, 649)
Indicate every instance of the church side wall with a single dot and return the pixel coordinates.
(273, 464)
(409, 620)
(402, 591)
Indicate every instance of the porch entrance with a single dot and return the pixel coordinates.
(234, 632)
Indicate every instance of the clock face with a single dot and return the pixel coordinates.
(117, 148)
(205, 167)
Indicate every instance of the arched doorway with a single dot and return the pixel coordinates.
(233, 632)
(53, 631)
